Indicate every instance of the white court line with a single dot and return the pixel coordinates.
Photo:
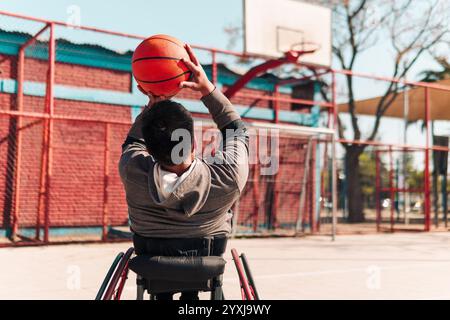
(446, 297)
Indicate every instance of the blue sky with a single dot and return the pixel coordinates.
(197, 22)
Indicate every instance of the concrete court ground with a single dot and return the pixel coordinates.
(381, 266)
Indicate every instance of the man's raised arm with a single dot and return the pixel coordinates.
(234, 132)
(220, 108)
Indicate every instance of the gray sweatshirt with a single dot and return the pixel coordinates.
(199, 205)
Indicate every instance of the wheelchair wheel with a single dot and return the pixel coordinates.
(251, 281)
(107, 278)
(116, 277)
(248, 289)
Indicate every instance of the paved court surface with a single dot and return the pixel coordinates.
(390, 266)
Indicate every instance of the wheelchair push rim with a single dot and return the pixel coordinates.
(247, 284)
(114, 282)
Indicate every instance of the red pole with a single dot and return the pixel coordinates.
(396, 80)
(20, 94)
(213, 67)
(312, 165)
(276, 107)
(377, 188)
(276, 195)
(323, 191)
(276, 104)
(50, 110)
(285, 99)
(256, 187)
(105, 183)
(427, 161)
(20, 79)
(334, 103)
(43, 173)
(333, 152)
(391, 186)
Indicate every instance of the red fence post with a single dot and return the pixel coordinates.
(377, 188)
(391, 187)
(20, 79)
(334, 100)
(50, 111)
(427, 199)
(20, 94)
(312, 165)
(256, 186)
(214, 67)
(276, 104)
(276, 107)
(333, 153)
(105, 183)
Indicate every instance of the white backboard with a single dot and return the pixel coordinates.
(272, 27)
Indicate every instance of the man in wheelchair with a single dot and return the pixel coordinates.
(178, 204)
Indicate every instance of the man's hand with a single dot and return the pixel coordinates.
(200, 81)
(151, 98)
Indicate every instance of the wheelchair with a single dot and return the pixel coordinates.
(167, 274)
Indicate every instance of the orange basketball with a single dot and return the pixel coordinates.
(157, 65)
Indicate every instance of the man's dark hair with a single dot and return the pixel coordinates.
(159, 123)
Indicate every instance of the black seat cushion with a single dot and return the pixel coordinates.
(185, 269)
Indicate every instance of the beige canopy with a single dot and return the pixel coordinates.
(439, 104)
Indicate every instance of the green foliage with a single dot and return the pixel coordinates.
(367, 162)
(367, 173)
(414, 177)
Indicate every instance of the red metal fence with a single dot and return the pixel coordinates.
(60, 163)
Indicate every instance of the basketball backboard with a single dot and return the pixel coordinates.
(272, 27)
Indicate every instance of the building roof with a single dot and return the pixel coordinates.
(439, 104)
(100, 57)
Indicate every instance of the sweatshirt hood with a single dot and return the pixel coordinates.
(190, 195)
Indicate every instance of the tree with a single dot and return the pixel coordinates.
(368, 176)
(412, 29)
(436, 75)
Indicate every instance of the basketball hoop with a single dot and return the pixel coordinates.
(291, 29)
(301, 48)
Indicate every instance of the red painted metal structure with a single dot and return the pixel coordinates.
(20, 94)
(49, 116)
(246, 290)
(289, 57)
(392, 190)
(106, 182)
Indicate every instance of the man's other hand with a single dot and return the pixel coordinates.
(151, 98)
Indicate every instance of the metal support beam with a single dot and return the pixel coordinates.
(427, 203)
(290, 57)
(18, 146)
(50, 111)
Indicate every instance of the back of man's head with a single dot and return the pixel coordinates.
(159, 124)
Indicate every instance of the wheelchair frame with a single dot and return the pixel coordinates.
(117, 275)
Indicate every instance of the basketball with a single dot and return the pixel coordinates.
(157, 65)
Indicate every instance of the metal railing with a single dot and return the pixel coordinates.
(49, 118)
